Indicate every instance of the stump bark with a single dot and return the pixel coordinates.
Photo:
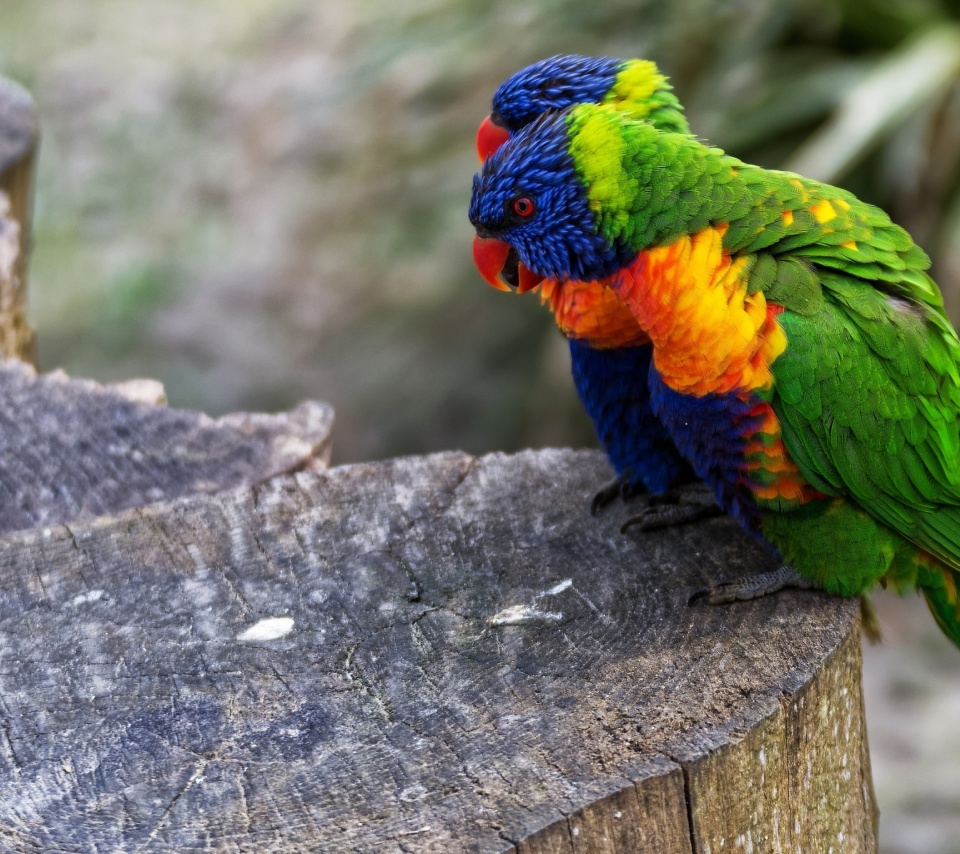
(427, 654)
(19, 136)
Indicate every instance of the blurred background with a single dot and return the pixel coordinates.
(262, 201)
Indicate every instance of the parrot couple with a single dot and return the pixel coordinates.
(770, 334)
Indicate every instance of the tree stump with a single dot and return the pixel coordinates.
(430, 654)
(19, 136)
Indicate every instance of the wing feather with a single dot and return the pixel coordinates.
(868, 399)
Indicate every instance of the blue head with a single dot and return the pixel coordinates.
(634, 86)
(529, 196)
(552, 84)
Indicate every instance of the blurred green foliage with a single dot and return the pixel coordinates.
(263, 201)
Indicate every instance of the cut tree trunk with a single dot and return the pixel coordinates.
(428, 654)
(19, 137)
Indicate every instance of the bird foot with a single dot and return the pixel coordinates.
(753, 587)
(676, 507)
(621, 488)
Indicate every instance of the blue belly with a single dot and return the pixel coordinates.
(713, 432)
(614, 388)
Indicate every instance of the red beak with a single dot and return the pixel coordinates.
(490, 137)
(499, 265)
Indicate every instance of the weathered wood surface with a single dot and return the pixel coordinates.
(462, 659)
(19, 136)
(71, 449)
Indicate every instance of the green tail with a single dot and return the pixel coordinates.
(939, 585)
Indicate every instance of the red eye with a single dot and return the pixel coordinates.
(523, 206)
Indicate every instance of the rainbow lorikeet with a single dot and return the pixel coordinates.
(802, 359)
(609, 352)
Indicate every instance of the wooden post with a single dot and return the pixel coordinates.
(19, 137)
(428, 654)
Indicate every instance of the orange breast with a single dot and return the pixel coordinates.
(709, 335)
(592, 312)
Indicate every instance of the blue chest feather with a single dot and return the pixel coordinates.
(613, 387)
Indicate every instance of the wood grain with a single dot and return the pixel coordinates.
(462, 659)
(73, 449)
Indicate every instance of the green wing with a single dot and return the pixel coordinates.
(781, 216)
(868, 394)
